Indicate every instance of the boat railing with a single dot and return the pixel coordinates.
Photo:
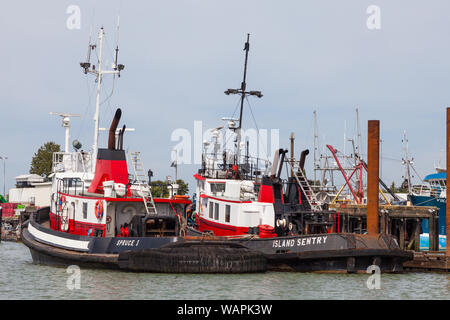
(421, 189)
(71, 186)
(242, 172)
(248, 168)
(323, 188)
(71, 161)
(436, 191)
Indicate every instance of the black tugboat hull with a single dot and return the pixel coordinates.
(45, 254)
(341, 253)
(347, 253)
(348, 261)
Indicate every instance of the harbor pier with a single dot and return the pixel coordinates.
(432, 260)
(403, 222)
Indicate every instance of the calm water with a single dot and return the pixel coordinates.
(21, 279)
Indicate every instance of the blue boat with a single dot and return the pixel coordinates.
(434, 194)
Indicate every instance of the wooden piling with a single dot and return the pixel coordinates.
(447, 212)
(1, 222)
(383, 222)
(373, 158)
(417, 236)
(432, 235)
(402, 234)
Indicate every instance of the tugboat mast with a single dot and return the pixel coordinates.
(244, 84)
(99, 72)
(97, 104)
(243, 94)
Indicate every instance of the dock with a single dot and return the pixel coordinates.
(11, 225)
(428, 261)
(401, 221)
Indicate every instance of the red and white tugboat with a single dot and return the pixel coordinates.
(102, 216)
(283, 219)
(236, 197)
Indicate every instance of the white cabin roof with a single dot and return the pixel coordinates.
(32, 178)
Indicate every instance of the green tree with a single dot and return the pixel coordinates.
(402, 189)
(160, 189)
(393, 188)
(42, 159)
(183, 187)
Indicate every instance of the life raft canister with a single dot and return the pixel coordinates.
(266, 231)
(99, 209)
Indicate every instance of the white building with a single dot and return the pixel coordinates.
(31, 189)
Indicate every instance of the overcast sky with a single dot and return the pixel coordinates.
(180, 56)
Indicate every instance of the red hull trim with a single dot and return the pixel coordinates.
(76, 227)
(220, 229)
(162, 200)
(224, 200)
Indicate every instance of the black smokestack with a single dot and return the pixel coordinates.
(120, 142)
(112, 130)
(302, 158)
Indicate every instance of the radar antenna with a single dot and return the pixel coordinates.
(66, 124)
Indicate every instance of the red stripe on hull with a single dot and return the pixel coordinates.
(76, 227)
(224, 200)
(220, 229)
(162, 200)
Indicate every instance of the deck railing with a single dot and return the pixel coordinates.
(71, 161)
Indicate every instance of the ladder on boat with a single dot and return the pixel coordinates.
(304, 185)
(142, 182)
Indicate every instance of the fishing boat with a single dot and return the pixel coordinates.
(432, 194)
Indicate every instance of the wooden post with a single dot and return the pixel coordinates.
(360, 225)
(432, 233)
(344, 223)
(383, 221)
(417, 236)
(373, 167)
(1, 222)
(402, 233)
(389, 226)
(435, 233)
(447, 212)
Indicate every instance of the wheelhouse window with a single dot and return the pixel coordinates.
(85, 205)
(217, 187)
(227, 213)
(211, 208)
(205, 202)
(72, 182)
(70, 185)
(216, 211)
